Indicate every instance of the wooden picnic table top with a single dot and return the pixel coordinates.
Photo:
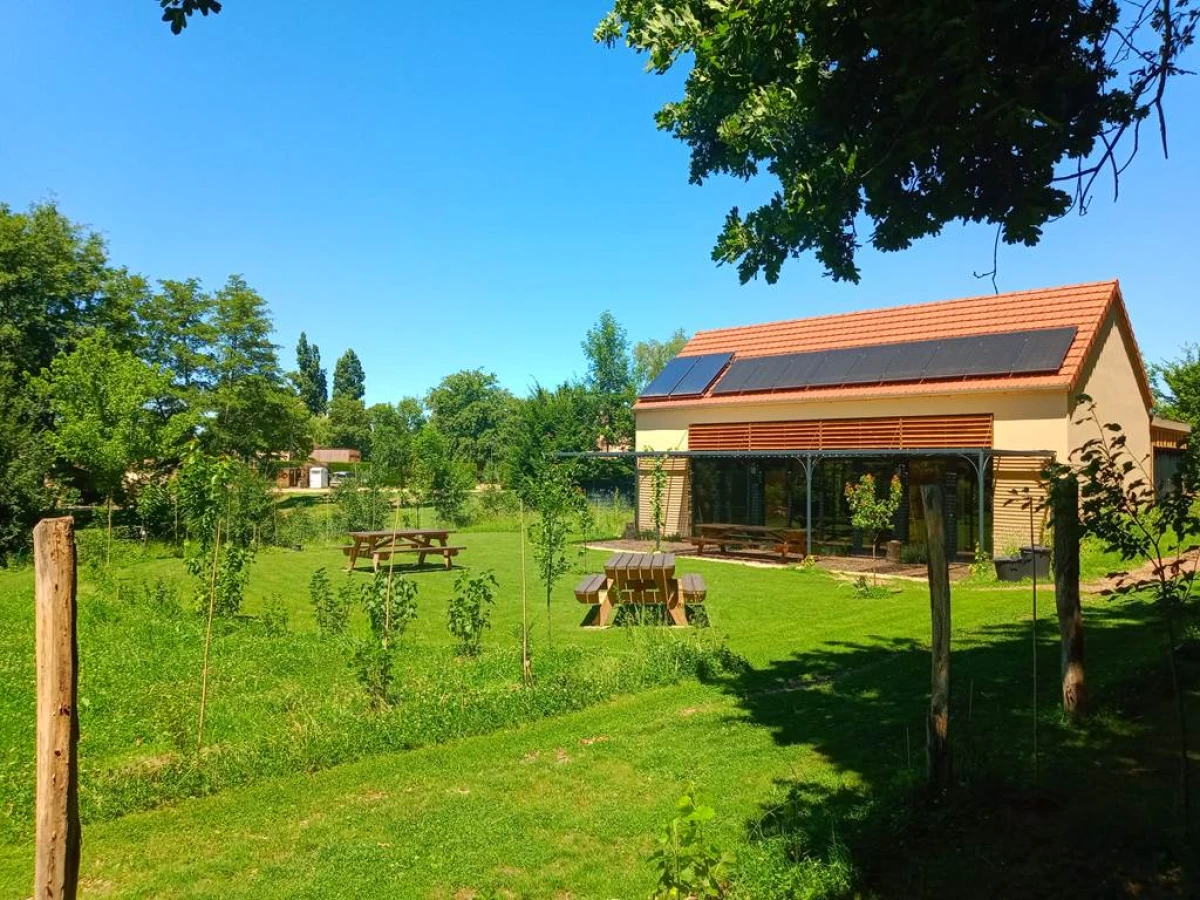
(400, 532)
(623, 563)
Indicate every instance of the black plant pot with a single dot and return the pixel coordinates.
(1036, 559)
(1009, 568)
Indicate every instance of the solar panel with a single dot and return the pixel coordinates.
(800, 369)
(872, 365)
(739, 374)
(696, 381)
(670, 376)
(911, 361)
(954, 358)
(1017, 352)
(998, 353)
(1045, 350)
(836, 365)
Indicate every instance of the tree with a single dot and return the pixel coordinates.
(177, 12)
(242, 322)
(100, 398)
(349, 424)
(651, 357)
(544, 423)
(610, 377)
(349, 380)
(393, 431)
(558, 504)
(1121, 506)
(1177, 386)
(443, 479)
(871, 513)
(25, 458)
(909, 115)
(470, 408)
(52, 272)
(309, 377)
(179, 334)
(254, 414)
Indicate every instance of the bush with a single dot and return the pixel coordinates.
(914, 554)
(688, 865)
(471, 609)
(332, 612)
(362, 503)
(275, 616)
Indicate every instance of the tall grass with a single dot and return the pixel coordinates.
(280, 702)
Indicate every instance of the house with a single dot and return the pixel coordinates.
(297, 476)
(765, 424)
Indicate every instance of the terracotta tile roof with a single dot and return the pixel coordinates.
(1085, 306)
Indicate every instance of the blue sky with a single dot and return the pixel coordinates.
(465, 184)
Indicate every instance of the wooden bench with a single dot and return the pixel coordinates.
(590, 589)
(783, 541)
(692, 589)
(379, 555)
(593, 590)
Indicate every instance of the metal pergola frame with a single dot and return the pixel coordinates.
(978, 457)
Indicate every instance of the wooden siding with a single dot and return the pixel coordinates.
(1167, 438)
(884, 433)
(1012, 475)
(677, 497)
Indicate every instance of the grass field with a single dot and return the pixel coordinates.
(473, 787)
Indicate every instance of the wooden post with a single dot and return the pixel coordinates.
(937, 726)
(1064, 497)
(56, 871)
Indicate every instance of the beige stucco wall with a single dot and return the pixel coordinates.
(1112, 383)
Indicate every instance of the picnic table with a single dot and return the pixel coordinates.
(723, 534)
(380, 545)
(641, 578)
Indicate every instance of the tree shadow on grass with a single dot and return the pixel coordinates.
(1100, 818)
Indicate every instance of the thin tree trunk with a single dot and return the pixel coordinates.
(212, 608)
(1065, 501)
(1181, 719)
(937, 727)
(108, 546)
(526, 667)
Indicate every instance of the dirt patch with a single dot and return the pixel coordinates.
(1143, 576)
(838, 565)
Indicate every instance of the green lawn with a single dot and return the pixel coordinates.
(810, 755)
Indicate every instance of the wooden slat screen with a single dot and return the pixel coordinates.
(1167, 439)
(883, 433)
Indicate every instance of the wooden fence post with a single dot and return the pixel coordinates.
(937, 726)
(56, 870)
(1064, 498)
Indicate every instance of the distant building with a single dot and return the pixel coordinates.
(297, 476)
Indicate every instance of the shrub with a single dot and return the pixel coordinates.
(471, 609)
(332, 612)
(275, 616)
(688, 865)
(914, 554)
(390, 604)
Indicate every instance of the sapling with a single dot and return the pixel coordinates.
(471, 610)
(871, 513)
(1121, 507)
